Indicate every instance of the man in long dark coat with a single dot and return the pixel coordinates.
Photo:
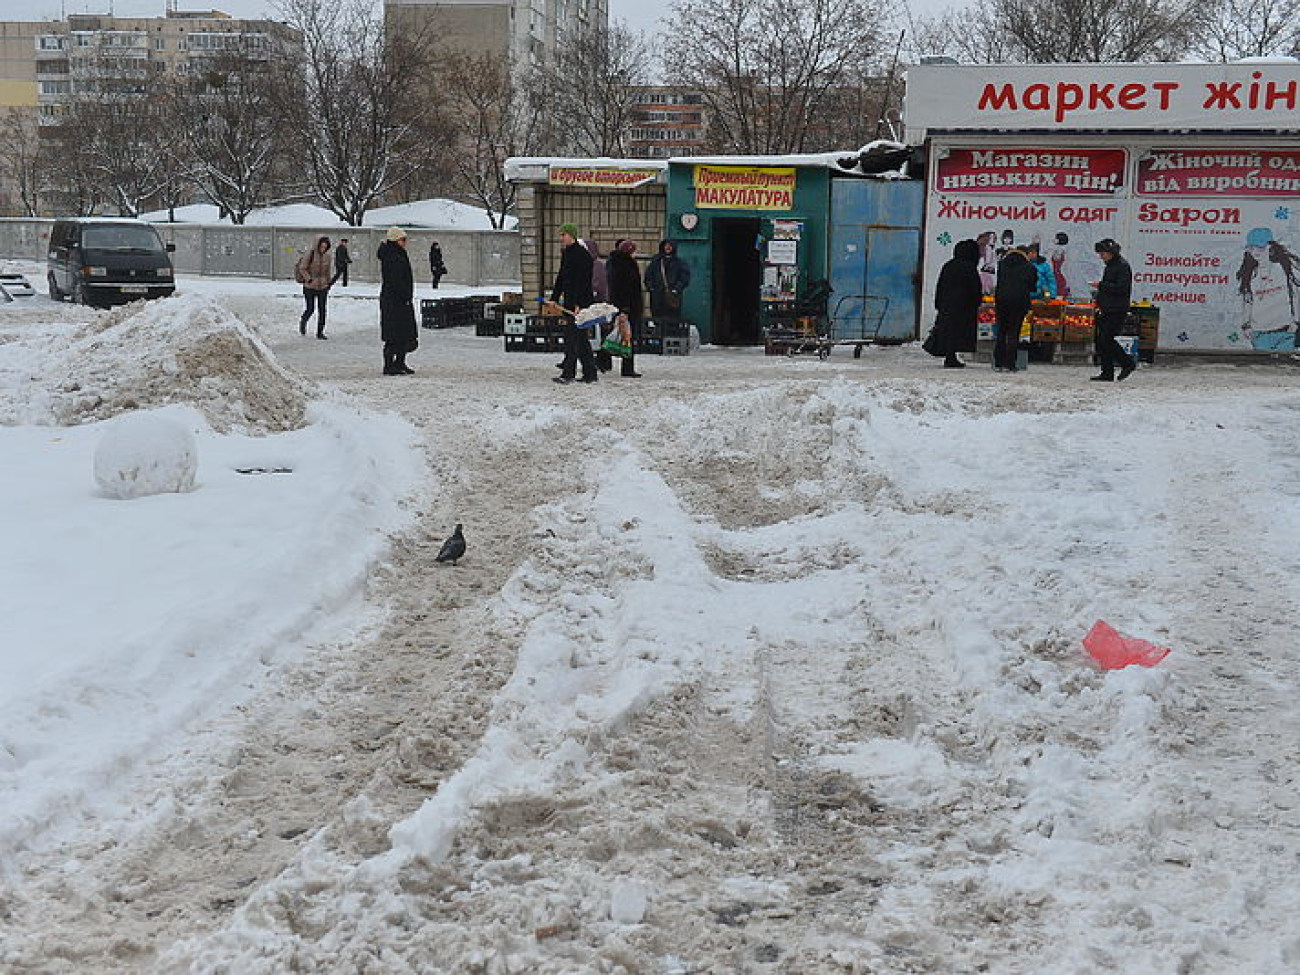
(626, 294)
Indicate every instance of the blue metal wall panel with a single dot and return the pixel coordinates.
(875, 257)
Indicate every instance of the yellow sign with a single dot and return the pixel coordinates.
(744, 188)
(609, 179)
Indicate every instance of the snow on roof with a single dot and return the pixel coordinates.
(289, 215)
(841, 161)
(856, 161)
(439, 214)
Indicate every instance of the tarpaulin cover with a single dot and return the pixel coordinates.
(1114, 651)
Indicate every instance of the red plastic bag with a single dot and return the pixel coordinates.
(1114, 651)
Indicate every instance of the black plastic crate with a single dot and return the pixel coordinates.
(648, 345)
(488, 328)
(674, 345)
(545, 325)
(533, 343)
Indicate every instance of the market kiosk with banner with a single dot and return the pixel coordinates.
(801, 251)
(1193, 168)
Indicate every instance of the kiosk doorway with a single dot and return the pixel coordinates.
(737, 277)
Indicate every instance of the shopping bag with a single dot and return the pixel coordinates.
(618, 340)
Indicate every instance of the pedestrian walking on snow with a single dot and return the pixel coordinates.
(572, 291)
(342, 261)
(314, 272)
(1114, 297)
(436, 266)
(626, 294)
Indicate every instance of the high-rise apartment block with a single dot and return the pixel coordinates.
(522, 32)
(43, 64)
(666, 122)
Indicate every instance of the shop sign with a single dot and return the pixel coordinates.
(744, 187)
(1199, 97)
(1044, 172)
(1219, 172)
(1227, 276)
(600, 177)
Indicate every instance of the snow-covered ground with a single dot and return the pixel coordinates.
(754, 664)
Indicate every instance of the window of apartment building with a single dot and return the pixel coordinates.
(160, 43)
(55, 87)
(50, 42)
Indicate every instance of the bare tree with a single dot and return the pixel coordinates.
(766, 68)
(120, 142)
(957, 34)
(494, 114)
(22, 162)
(226, 115)
(594, 88)
(1232, 29)
(355, 103)
(1063, 31)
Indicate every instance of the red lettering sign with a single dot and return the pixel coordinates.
(1220, 172)
(1032, 172)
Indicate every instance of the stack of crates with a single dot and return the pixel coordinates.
(514, 326)
(533, 333)
(676, 337)
(432, 314)
(649, 339)
(486, 322)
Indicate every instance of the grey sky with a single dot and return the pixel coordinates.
(639, 14)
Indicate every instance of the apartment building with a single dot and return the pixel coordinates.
(523, 32)
(44, 63)
(667, 122)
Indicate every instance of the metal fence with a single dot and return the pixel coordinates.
(473, 257)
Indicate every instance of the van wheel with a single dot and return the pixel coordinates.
(79, 293)
(55, 293)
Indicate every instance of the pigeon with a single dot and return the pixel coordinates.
(453, 548)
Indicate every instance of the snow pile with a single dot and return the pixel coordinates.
(176, 350)
(142, 455)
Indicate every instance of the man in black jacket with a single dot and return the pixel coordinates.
(573, 291)
(1114, 297)
(342, 261)
(1011, 300)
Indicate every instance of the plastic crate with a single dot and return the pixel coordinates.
(514, 323)
(676, 345)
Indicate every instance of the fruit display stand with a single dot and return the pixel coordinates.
(1062, 332)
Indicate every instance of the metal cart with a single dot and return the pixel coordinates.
(855, 320)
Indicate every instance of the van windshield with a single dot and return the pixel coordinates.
(119, 237)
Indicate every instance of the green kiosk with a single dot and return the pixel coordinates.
(771, 238)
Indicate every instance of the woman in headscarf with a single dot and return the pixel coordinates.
(957, 296)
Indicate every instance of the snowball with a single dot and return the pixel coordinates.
(627, 901)
(142, 454)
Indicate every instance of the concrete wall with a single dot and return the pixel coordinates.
(474, 258)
